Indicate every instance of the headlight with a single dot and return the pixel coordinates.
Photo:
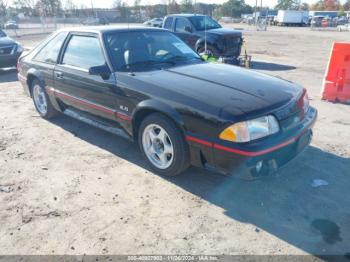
(250, 130)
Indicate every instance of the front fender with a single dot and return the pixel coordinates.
(201, 43)
(151, 105)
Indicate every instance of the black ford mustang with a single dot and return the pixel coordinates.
(149, 86)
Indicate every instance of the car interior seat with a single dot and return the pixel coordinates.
(136, 51)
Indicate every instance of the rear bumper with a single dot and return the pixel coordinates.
(9, 60)
(23, 80)
(265, 157)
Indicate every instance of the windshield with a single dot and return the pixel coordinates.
(2, 33)
(142, 50)
(202, 23)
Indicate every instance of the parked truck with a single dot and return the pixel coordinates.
(292, 18)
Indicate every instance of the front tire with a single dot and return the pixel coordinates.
(210, 51)
(163, 145)
(41, 101)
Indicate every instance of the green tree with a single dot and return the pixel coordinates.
(123, 9)
(26, 7)
(233, 8)
(173, 7)
(332, 5)
(186, 6)
(326, 5)
(49, 7)
(206, 9)
(287, 5)
(346, 5)
(318, 6)
(158, 10)
(304, 7)
(137, 3)
(341, 11)
(3, 10)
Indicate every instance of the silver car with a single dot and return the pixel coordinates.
(342, 28)
(155, 22)
(11, 25)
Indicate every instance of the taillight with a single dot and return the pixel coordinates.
(303, 104)
(306, 102)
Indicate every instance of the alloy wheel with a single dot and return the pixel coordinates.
(158, 146)
(40, 99)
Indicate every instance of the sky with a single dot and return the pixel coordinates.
(108, 3)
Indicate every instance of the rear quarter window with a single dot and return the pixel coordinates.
(49, 53)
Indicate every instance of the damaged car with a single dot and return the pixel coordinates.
(148, 86)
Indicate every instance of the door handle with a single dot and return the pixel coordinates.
(59, 75)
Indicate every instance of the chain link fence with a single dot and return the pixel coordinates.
(44, 25)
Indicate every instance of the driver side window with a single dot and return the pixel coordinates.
(83, 52)
(181, 24)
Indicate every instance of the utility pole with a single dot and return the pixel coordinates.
(255, 10)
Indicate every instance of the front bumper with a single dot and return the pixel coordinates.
(253, 159)
(9, 60)
(266, 157)
(231, 60)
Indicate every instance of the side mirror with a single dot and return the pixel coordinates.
(102, 70)
(188, 29)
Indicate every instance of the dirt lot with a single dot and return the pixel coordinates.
(68, 188)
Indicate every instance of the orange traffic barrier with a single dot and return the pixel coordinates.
(336, 85)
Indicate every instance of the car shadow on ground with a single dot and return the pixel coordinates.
(259, 65)
(8, 75)
(313, 219)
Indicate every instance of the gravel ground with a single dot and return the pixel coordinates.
(67, 188)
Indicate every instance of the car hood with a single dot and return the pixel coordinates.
(221, 89)
(6, 41)
(223, 32)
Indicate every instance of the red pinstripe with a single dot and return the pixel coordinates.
(243, 152)
(90, 104)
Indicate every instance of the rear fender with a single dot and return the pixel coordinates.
(35, 74)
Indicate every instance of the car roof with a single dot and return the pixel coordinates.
(185, 15)
(111, 28)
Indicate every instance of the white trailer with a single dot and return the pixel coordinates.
(291, 17)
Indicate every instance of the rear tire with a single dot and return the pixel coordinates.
(163, 145)
(41, 101)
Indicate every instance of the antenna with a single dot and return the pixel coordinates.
(194, 7)
(205, 34)
(128, 15)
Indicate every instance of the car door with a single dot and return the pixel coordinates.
(182, 25)
(75, 86)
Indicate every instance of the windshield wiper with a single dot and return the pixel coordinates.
(180, 58)
(149, 62)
